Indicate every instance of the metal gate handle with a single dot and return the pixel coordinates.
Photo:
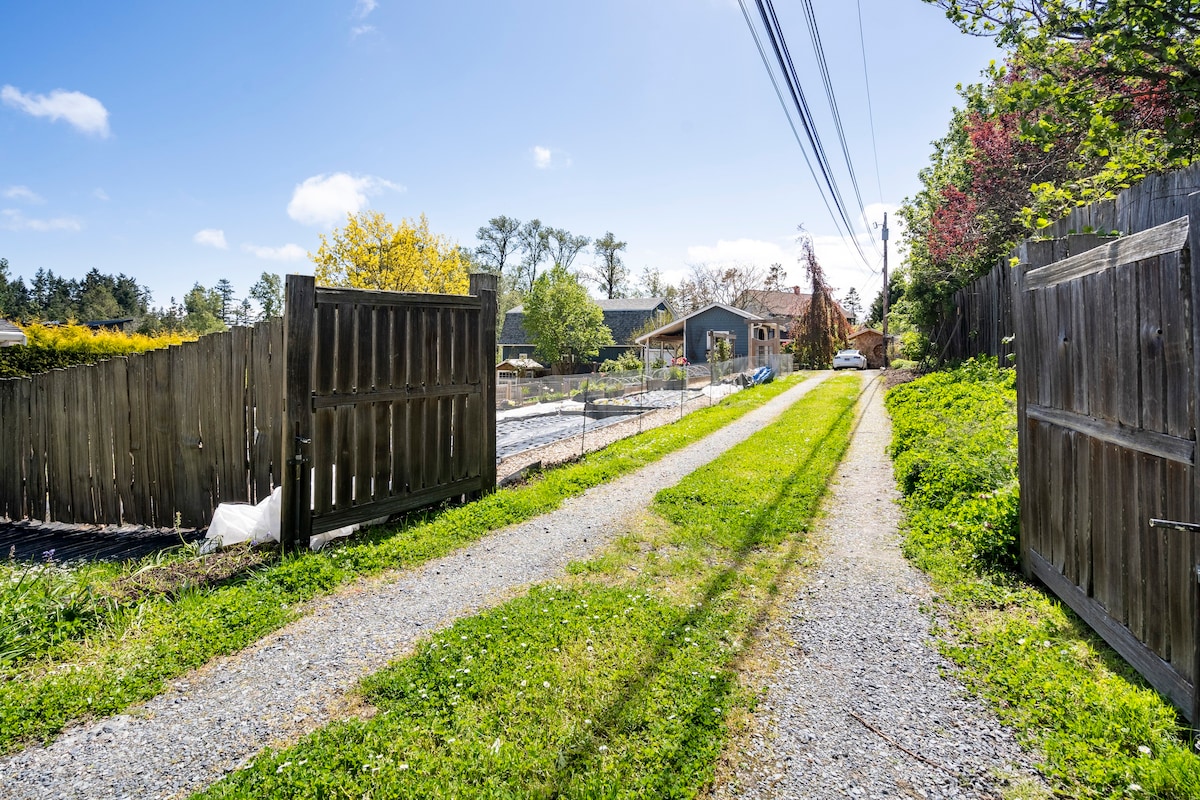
(1186, 527)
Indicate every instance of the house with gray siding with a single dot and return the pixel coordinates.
(695, 336)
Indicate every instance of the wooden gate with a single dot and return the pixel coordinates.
(390, 402)
(1107, 383)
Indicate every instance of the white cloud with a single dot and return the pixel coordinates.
(364, 7)
(740, 251)
(359, 30)
(22, 193)
(542, 157)
(288, 252)
(13, 220)
(326, 199)
(100, 194)
(85, 113)
(211, 237)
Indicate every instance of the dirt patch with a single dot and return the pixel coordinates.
(208, 570)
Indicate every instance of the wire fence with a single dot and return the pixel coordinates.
(591, 387)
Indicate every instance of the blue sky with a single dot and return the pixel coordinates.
(185, 142)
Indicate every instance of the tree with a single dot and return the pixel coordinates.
(224, 290)
(244, 313)
(498, 241)
(821, 328)
(564, 247)
(716, 283)
(852, 304)
(896, 285)
(651, 283)
(268, 293)
(534, 240)
(203, 310)
(371, 253)
(775, 278)
(610, 274)
(565, 324)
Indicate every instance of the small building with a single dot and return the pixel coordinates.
(10, 334)
(696, 335)
(869, 342)
(513, 369)
(624, 317)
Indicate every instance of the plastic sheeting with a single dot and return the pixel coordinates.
(235, 523)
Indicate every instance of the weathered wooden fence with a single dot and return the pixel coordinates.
(155, 438)
(1106, 342)
(390, 402)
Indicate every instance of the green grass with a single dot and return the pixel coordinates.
(72, 646)
(1098, 729)
(615, 682)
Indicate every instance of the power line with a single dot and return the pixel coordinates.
(778, 93)
(870, 110)
(830, 192)
(831, 96)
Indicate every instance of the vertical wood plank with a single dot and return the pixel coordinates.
(1129, 369)
(104, 476)
(10, 456)
(364, 412)
(38, 411)
(1154, 554)
(1153, 365)
(118, 388)
(59, 463)
(141, 508)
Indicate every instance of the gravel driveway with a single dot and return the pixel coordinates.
(859, 704)
(210, 721)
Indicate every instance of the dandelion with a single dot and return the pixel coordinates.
(1143, 749)
(545, 684)
(603, 748)
(523, 684)
(403, 766)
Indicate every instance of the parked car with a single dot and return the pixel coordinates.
(849, 359)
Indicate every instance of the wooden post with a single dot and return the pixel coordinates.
(484, 287)
(299, 309)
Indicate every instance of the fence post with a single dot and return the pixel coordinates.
(295, 527)
(484, 286)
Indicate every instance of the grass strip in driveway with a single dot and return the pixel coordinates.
(615, 682)
(125, 651)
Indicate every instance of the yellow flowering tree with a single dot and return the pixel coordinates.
(372, 253)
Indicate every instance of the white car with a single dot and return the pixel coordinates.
(849, 359)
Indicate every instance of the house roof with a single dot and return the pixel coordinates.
(677, 324)
(519, 364)
(864, 331)
(623, 316)
(10, 334)
(773, 304)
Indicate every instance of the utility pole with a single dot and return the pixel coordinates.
(886, 292)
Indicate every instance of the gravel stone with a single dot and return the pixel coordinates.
(853, 662)
(215, 719)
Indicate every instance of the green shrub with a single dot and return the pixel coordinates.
(59, 346)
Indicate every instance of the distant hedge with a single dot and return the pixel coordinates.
(53, 347)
